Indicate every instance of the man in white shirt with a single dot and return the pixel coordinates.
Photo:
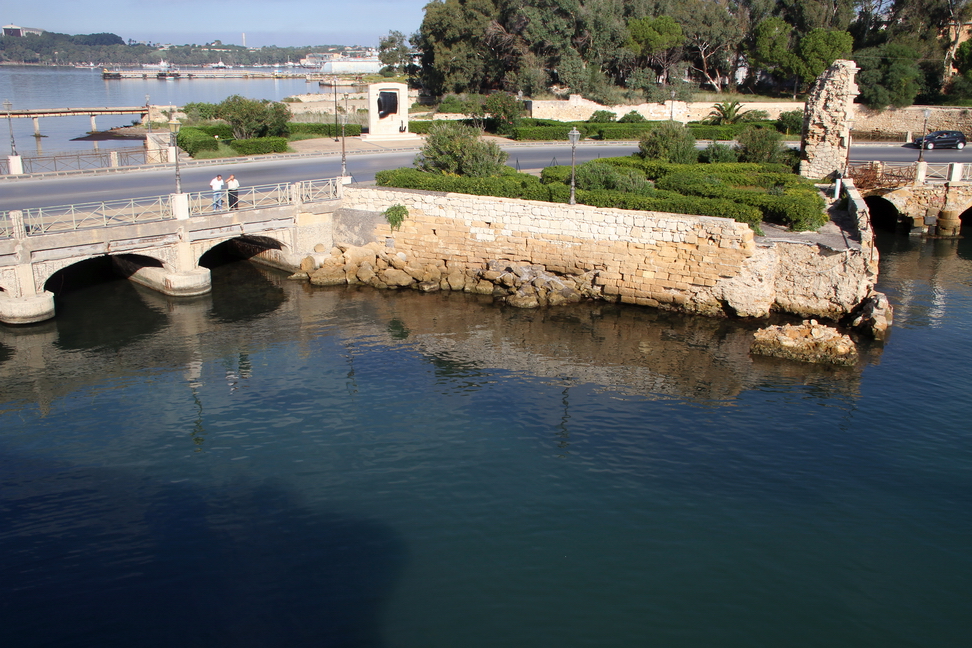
(217, 185)
(232, 190)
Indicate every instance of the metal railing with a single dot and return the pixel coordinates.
(121, 157)
(868, 175)
(938, 172)
(47, 220)
(255, 197)
(319, 190)
(6, 225)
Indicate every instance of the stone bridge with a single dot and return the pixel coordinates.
(157, 243)
(925, 198)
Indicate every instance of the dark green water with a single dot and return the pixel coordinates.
(279, 465)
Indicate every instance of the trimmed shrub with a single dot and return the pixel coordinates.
(761, 145)
(222, 131)
(323, 130)
(260, 145)
(192, 140)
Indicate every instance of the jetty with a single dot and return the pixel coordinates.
(209, 73)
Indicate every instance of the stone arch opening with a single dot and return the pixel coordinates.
(99, 269)
(884, 214)
(241, 248)
(966, 216)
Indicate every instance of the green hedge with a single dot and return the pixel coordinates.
(260, 145)
(798, 206)
(223, 131)
(520, 185)
(192, 140)
(323, 130)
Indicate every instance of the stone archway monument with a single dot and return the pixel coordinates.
(827, 120)
(388, 113)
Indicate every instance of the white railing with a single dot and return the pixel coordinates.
(318, 190)
(255, 197)
(937, 172)
(6, 225)
(47, 220)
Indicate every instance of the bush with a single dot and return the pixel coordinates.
(192, 140)
(260, 145)
(669, 141)
(790, 122)
(761, 145)
(324, 130)
(633, 117)
(197, 110)
(593, 176)
(457, 149)
(221, 131)
(504, 110)
(602, 117)
(716, 153)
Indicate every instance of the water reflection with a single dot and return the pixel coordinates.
(245, 292)
(101, 557)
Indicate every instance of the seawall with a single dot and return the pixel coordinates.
(694, 264)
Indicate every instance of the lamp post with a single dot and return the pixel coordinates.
(344, 122)
(13, 144)
(574, 136)
(924, 134)
(334, 88)
(672, 115)
(148, 113)
(174, 125)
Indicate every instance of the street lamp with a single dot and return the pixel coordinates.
(672, 116)
(574, 136)
(924, 135)
(344, 121)
(174, 125)
(13, 144)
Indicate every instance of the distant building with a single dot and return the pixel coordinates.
(352, 66)
(14, 30)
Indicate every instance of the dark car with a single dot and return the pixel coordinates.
(941, 139)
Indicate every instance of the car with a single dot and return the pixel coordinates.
(941, 139)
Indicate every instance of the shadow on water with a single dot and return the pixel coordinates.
(92, 557)
(98, 309)
(241, 291)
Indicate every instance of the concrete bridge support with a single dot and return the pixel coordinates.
(36, 121)
(24, 303)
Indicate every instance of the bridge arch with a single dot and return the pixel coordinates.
(263, 249)
(884, 213)
(95, 268)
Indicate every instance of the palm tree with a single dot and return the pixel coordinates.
(727, 112)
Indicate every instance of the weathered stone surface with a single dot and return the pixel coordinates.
(357, 255)
(806, 342)
(826, 121)
(365, 273)
(308, 264)
(456, 279)
(429, 286)
(874, 316)
(329, 275)
(521, 300)
(396, 277)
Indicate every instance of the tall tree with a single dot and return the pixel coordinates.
(712, 34)
(393, 50)
(657, 42)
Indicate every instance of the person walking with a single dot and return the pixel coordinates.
(217, 185)
(232, 191)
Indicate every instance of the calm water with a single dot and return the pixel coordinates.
(47, 87)
(282, 465)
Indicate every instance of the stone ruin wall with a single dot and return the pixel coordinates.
(826, 121)
(695, 264)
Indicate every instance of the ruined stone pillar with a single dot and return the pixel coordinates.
(825, 141)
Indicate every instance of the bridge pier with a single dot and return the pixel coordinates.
(36, 121)
(94, 125)
(24, 304)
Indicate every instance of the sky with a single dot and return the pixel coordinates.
(285, 23)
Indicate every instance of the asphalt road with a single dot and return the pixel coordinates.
(93, 187)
